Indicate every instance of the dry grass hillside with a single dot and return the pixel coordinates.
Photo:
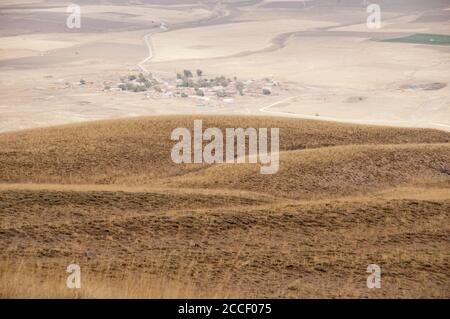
(107, 196)
(137, 151)
(332, 171)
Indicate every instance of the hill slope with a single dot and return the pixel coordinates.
(107, 196)
(136, 151)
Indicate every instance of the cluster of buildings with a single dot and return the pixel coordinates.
(204, 89)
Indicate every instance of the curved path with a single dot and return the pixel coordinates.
(149, 43)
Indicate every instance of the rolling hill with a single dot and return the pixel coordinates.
(106, 195)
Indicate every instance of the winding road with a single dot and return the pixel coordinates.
(149, 43)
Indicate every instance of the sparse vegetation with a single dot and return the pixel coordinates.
(139, 83)
(344, 196)
(213, 89)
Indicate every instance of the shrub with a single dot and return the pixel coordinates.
(222, 81)
(147, 83)
(199, 72)
(140, 88)
(204, 83)
(266, 91)
(141, 78)
(221, 93)
(187, 83)
(240, 88)
(199, 92)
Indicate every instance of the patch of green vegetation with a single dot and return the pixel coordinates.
(423, 38)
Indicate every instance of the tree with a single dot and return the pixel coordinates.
(148, 84)
(240, 87)
(199, 72)
(187, 73)
(141, 78)
(266, 91)
(130, 87)
(185, 83)
(199, 92)
(140, 88)
(221, 93)
(222, 81)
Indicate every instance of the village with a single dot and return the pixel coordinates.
(206, 90)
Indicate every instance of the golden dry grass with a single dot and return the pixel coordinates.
(28, 280)
(138, 150)
(345, 196)
(331, 171)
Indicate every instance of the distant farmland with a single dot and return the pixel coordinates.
(423, 38)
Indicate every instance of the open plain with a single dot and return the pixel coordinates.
(327, 63)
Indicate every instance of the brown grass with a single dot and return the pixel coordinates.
(138, 150)
(26, 280)
(330, 171)
(345, 196)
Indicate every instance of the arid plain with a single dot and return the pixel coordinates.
(86, 175)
